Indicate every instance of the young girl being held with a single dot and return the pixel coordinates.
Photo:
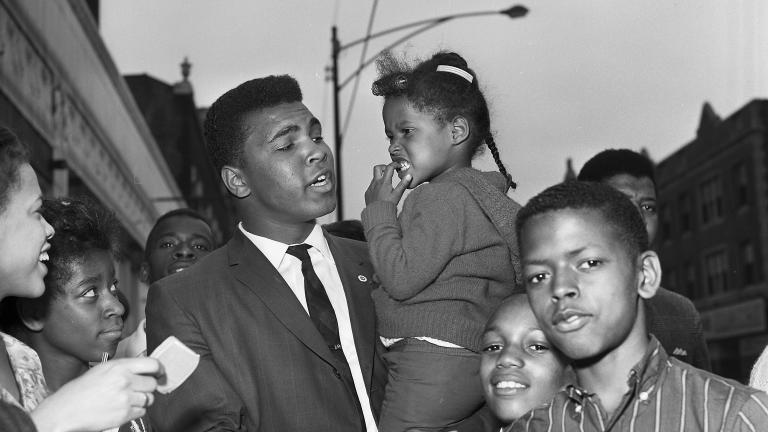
(451, 256)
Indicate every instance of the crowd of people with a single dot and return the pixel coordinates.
(452, 309)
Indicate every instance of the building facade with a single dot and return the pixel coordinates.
(174, 120)
(61, 93)
(713, 232)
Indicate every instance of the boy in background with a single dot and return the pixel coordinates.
(671, 317)
(178, 239)
(588, 272)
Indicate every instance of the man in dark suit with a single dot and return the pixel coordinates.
(670, 316)
(281, 316)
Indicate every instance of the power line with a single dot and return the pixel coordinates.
(362, 61)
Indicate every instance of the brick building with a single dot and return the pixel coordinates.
(173, 118)
(713, 231)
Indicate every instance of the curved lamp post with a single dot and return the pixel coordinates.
(336, 48)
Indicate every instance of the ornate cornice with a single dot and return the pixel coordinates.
(41, 89)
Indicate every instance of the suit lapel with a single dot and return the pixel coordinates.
(357, 280)
(251, 267)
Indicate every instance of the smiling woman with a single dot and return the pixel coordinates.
(25, 234)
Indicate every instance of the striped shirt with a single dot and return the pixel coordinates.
(664, 394)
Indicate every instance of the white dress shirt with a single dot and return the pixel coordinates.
(289, 268)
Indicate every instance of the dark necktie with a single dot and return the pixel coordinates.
(322, 315)
(318, 304)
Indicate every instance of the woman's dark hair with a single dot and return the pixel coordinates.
(81, 226)
(442, 94)
(13, 154)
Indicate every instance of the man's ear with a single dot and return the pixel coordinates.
(650, 274)
(30, 315)
(144, 272)
(459, 130)
(234, 181)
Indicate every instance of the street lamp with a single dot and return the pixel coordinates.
(336, 48)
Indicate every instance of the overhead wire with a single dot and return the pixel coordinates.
(352, 97)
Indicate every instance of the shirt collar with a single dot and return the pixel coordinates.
(641, 378)
(645, 374)
(317, 240)
(274, 250)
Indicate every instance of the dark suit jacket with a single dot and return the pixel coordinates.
(676, 323)
(263, 365)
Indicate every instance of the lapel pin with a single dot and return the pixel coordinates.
(362, 278)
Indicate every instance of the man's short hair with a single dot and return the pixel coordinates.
(614, 206)
(225, 132)
(179, 212)
(611, 162)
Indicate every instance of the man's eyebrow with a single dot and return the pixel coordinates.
(534, 262)
(283, 132)
(196, 236)
(288, 129)
(176, 235)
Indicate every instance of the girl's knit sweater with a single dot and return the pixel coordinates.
(447, 261)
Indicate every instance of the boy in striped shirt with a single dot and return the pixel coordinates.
(588, 271)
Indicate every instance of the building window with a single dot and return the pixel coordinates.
(741, 185)
(665, 219)
(684, 204)
(716, 271)
(711, 200)
(748, 268)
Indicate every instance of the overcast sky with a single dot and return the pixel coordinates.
(568, 80)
